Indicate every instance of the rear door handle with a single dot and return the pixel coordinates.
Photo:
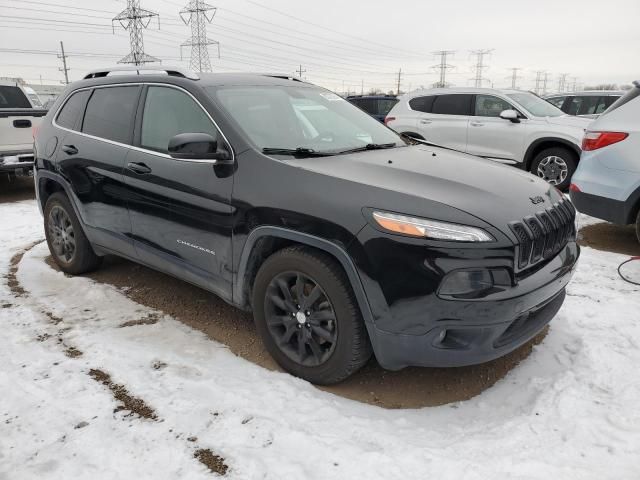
(138, 167)
(477, 124)
(69, 149)
(425, 122)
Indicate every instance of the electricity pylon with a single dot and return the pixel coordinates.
(135, 20)
(197, 14)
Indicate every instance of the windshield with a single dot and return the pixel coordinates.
(536, 106)
(279, 117)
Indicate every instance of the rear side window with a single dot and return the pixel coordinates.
(422, 104)
(630, 95)
(12, 97)
(110, 113)
(169, 112)
(71, 113)
(452, 104)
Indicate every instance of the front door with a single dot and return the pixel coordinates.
(180, 210)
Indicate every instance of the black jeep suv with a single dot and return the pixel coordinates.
(282, 198)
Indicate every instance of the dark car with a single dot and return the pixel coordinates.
(282, 198)
(375, 105)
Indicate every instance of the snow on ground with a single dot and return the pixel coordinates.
(569, 411)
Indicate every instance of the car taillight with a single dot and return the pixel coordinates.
(388, 119)
(596, 140)
(34, 132)
(574, 188)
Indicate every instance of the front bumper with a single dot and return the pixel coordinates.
(477, 331)
(18, 163)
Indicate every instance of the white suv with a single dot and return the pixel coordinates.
(508, 126)
(607, 183)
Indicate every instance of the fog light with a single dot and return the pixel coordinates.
(468, 282)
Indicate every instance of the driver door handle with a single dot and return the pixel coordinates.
(425, 122)
(138, 167)
(477, 124)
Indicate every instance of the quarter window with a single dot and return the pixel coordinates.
(459, 104)
(422, 104)
(490, 106)
(169, 112)
(110, 113)
(72, 111)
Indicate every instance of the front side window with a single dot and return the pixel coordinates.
(457, 104)
(290, 117)
(13, 97)
(169, 112)
(535, 105)
(72, 111)
(490, 106)
(583, 105)
(110, 113)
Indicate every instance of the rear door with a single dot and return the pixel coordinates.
(180, 209)
(447, 121)
(91, 158)
(491, 136)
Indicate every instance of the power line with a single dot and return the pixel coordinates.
(480, 66)
(135, 20)
(199, 14)
(443, 66)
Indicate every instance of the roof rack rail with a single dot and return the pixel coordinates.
(141, 70)
(284, 76)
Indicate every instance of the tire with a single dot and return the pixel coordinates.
(556, 165)
(333, 335)
(59, 215)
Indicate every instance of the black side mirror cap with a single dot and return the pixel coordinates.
(196, 146)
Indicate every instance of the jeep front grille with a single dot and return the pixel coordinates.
(543, 235)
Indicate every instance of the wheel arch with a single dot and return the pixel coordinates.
(548, 142)
(264, 241)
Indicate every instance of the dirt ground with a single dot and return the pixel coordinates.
(408, 388)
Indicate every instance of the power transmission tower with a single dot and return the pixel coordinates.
(300, 71)
(514, 77)
(198, 14)
(136, 19)
(399, 80)
(573, 86)
(64, 68)
(544, 83)
(538, 81)
(480, 66)
(443, 66)
(562, 80)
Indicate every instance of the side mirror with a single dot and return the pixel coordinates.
(196, 146)
(510, 115)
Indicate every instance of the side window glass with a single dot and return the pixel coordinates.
(557, 101)
(110, 113)
(169, 112)
(385, 105)
(490, 106)
(601, 106)
(422, 104)
(457, 104)
(575, 105)
(72, 111)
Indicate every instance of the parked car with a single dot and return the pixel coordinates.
(588, 103)
(20, 112)
(343, 238)
(607, 183)
(378, 106)
(508, 126)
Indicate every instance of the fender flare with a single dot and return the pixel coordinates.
(337, 252)
(528, 156)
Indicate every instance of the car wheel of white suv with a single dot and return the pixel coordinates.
(556, 166)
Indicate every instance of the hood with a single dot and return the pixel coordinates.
(494, 193)
(570, 121)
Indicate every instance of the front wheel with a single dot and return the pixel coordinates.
(556, 166)
(307, 316)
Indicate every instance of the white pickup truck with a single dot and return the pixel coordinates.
(20, 112)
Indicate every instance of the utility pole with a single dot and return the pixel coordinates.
(514, 77)
(362, 87)
(544, 83)
(562, 80)
(480, 66)
(443, 66)
(64, 68)
(300, 71)
(136, 19)
(399, 80)
(198, 14)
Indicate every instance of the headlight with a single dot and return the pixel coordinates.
(433, 229)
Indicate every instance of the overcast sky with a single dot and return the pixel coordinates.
(341, 42)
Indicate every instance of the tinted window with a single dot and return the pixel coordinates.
(72, 110)
(490, 106)
(12, 97)
(110, 113)
(583, 105)
(422, 104)
(556, 101)
(452, 104)
(385, 105)
(169, 112)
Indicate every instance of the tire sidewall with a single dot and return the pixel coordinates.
(566, 155)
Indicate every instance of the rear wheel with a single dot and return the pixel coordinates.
(67, 243)
(556, 166)
(307, 316)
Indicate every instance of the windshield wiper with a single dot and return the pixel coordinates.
(296, 152)
(370, 146)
